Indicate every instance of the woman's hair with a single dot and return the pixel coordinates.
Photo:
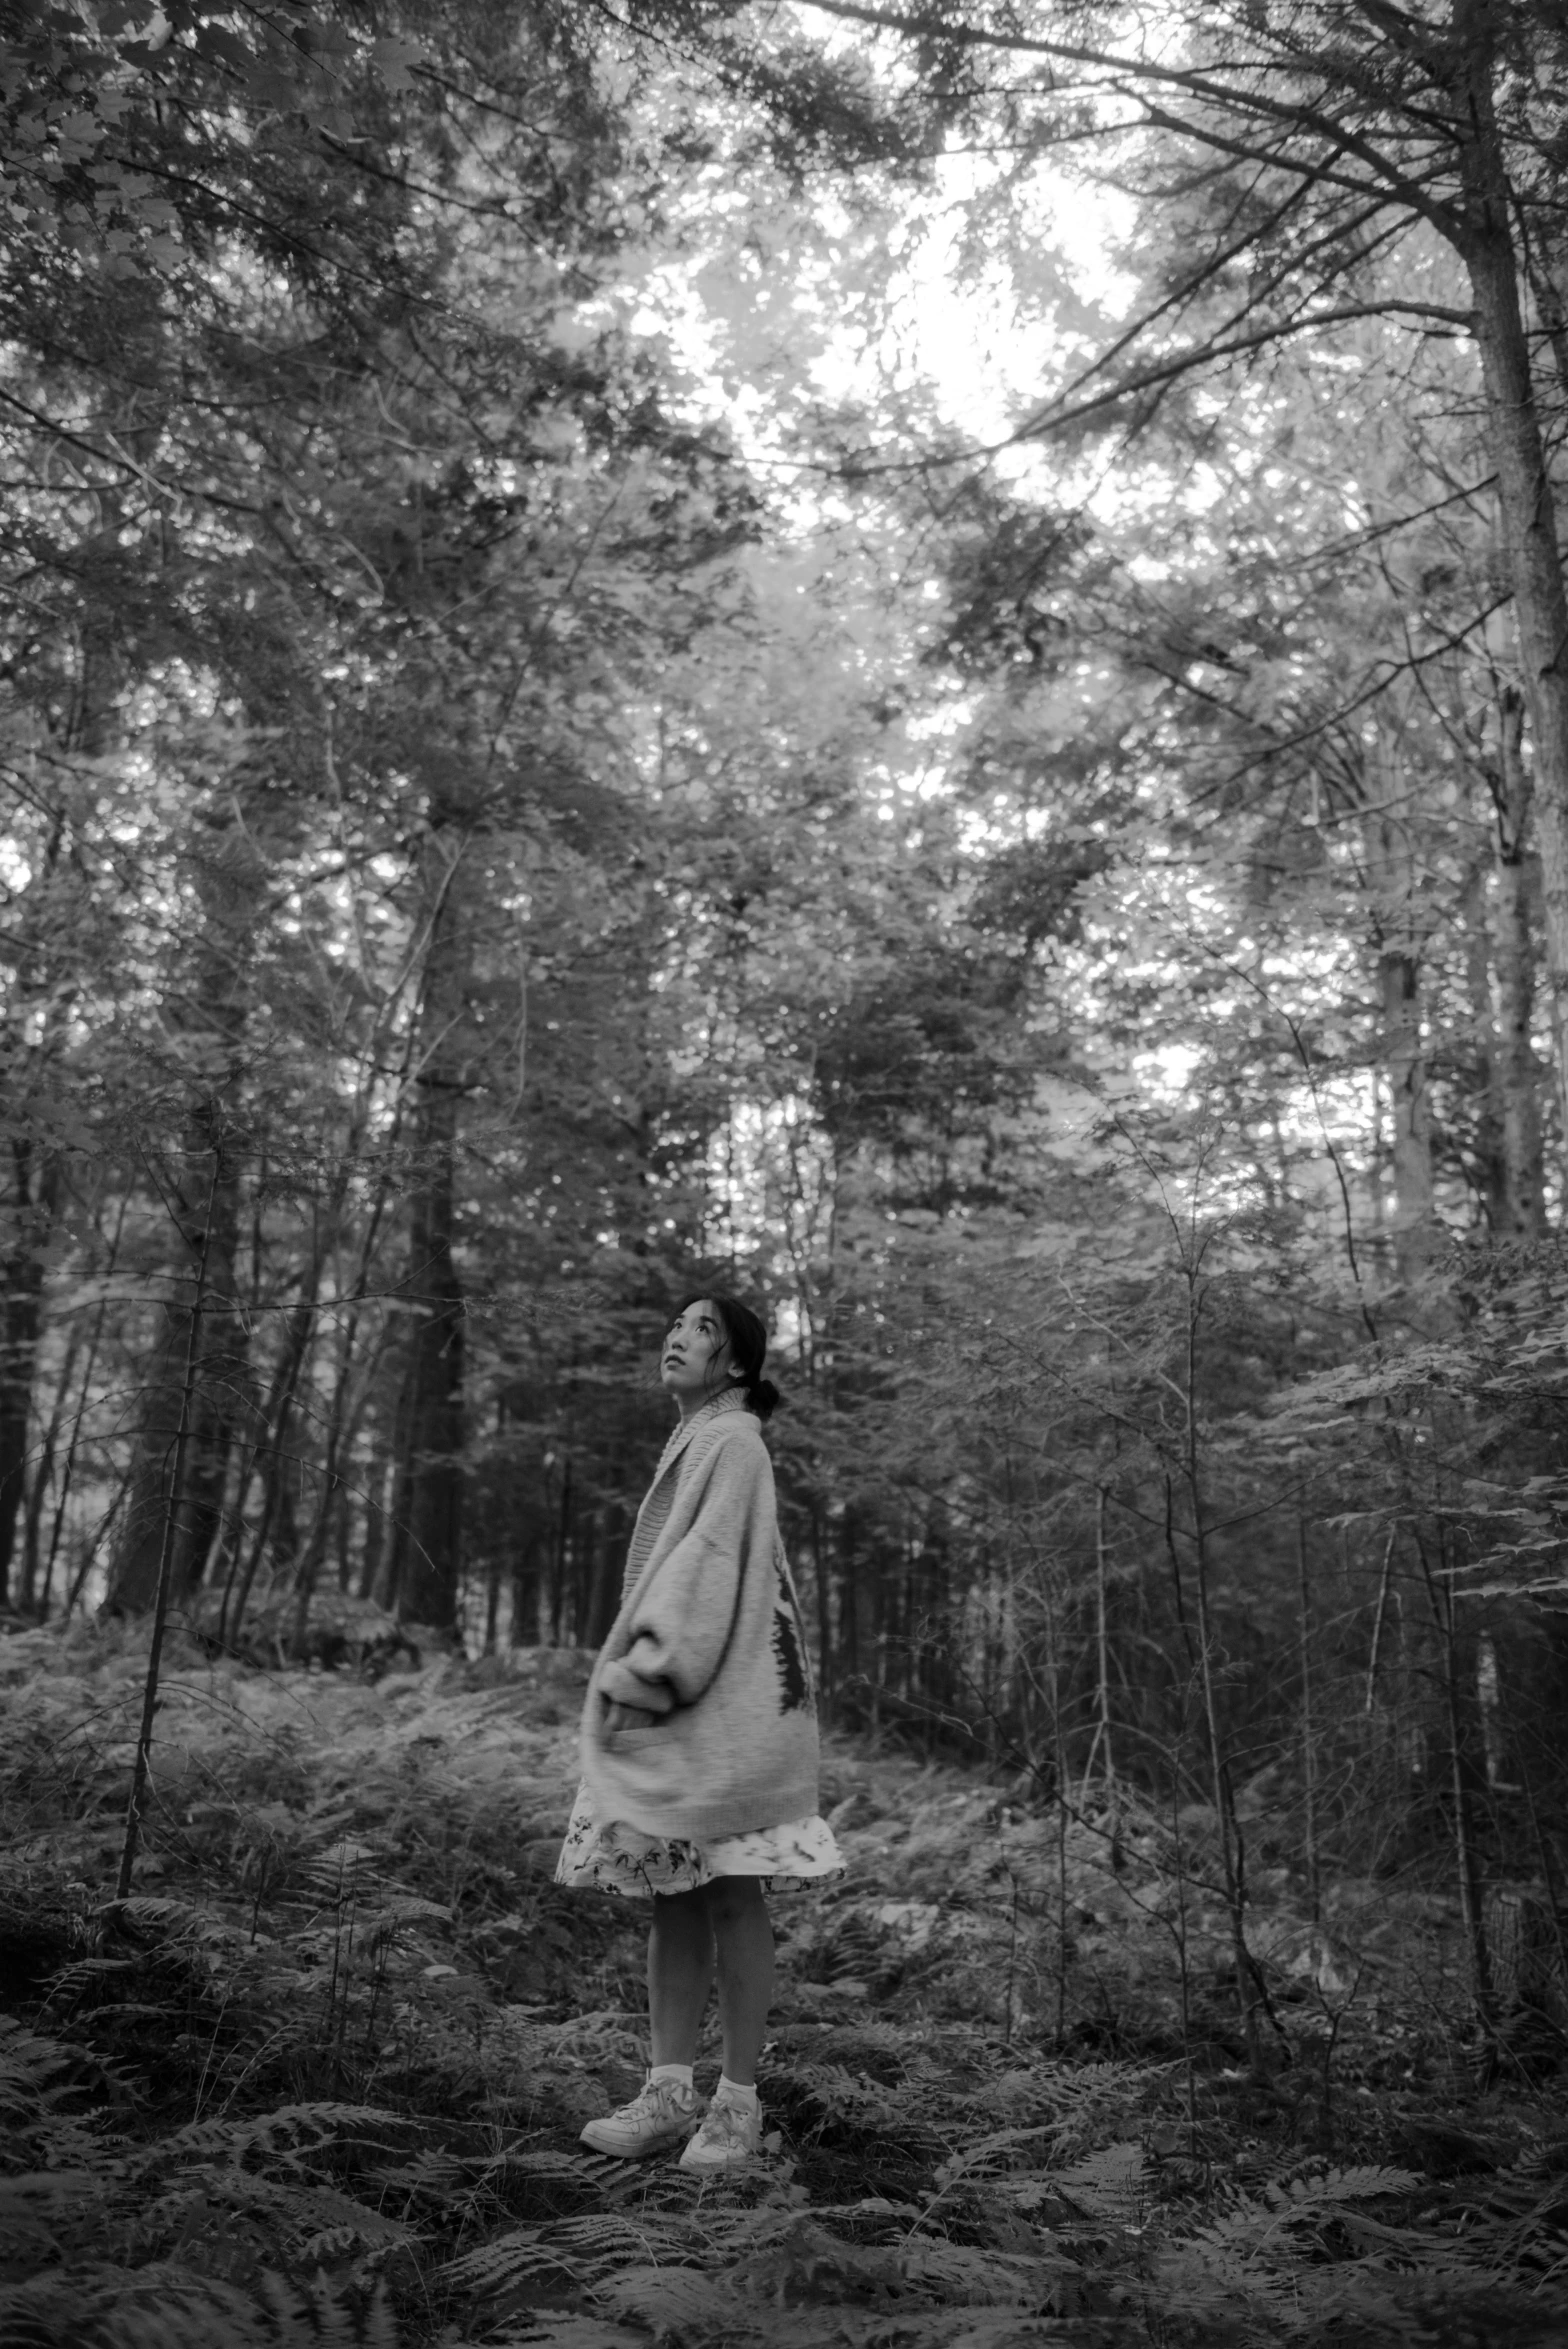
(748, 1339)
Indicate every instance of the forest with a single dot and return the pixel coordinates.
(907, 660)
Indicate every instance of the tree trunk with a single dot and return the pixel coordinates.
(342, 1424)
(372, 1556)
(209, 1015)
(23, 1274)
(1467, 1783)
(210, 1411)
(1233, 1858)
(522, 1628)
(427, 1512)
(32, 1601)
(1526, 504)
(1401, 1047)
(1519, 1211)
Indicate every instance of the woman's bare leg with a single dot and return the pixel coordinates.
(743, 1940)
(680, 1974)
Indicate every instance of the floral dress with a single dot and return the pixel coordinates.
(619, 1858)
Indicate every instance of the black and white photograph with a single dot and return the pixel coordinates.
(784, 1174)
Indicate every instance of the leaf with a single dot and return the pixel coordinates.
(395, 59)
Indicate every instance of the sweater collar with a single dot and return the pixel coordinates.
(732, 1399)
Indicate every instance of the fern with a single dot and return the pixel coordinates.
(165, 2307)
(678, 2301)
(161, 1914)
(604, 2240)
(971, 2278)
(314, 2312)
(310, 2211)
(41, 2081)
(841, 2096)
(290, 2132)
(1305, 2197)
(517, 2257)
(1110, 2187)
(944, 2192)
(597, 2174)
(572, 2332)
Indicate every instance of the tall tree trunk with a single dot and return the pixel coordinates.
(342, 1427)
(1520, 1209)
(426, 1529)
(372, 1582)
(1467, 1782)
(427, 1511)
(1233, 1856)
(22, 1272)
(1476, 927)
(209, 1016)
(1528, 509)
(1401, 1046)
(43, 1477)
(210, 1410)
(79, 1416)
(522, 1628)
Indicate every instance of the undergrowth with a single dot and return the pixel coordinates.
(321, 2079)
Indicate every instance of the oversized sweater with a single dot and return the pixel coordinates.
(710, 1642)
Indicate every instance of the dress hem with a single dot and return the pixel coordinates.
(796, 1855)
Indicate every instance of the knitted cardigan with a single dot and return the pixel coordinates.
(710, 1642)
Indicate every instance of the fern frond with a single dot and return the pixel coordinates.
(311, 2210)
(289, 2128)
(972, 2278)
(162, 1914)
(1003, 2330)
(865, 2042)
(509, 2260)
(1304, 2195)
(31, 2065)
(314, 2312)
(572, 2332)
(676, 2300)
(346, 1862)
(1202, 2285)
(841, 2096)
(34, 2209)
(1108, 2186)
(594, 2170)
(604, 2240)
(160, 2307)
(381, 1924)
(984, 2158)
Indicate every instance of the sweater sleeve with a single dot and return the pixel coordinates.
(682, 1622)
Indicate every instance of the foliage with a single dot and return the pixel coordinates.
(325, 2082)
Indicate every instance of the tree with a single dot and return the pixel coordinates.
(1282, 154)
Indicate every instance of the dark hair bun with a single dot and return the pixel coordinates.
(763, 1397)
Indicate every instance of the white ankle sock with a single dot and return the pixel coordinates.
(732, 2092)
(681, 2072)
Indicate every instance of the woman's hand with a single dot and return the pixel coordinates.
(628, 1717)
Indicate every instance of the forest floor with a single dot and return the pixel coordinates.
(321, 2079)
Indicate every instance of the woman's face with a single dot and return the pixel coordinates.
(696, 1358)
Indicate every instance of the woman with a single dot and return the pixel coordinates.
(699, 1743)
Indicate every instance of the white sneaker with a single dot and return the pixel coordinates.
(731, 2134)
(662, 2114)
